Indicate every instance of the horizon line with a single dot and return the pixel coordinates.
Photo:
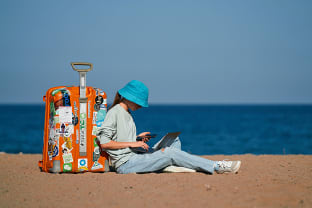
(185, 104)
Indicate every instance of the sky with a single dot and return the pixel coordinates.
(186, 52)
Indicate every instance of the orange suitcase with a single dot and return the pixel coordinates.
(72, 116)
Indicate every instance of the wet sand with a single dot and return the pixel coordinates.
(263, 181)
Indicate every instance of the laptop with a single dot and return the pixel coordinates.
(165, 141)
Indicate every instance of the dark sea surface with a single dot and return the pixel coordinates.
(206, 129)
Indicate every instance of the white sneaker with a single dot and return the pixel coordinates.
(176, 169)
(228, 166)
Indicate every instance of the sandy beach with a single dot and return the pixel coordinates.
(263, 181)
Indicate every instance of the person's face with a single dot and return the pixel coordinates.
(133, 106)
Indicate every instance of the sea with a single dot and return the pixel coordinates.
(205, 129)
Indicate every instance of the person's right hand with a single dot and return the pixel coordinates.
(140, 144)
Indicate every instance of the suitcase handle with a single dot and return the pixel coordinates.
(73, 64)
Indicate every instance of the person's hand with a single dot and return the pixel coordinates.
(102, 153)
(143, 135)
(140, 144)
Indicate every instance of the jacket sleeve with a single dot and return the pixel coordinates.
(108, 129)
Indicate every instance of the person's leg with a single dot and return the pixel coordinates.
(151, 162)
(206, 165)
(143, 163)
(184, 159)
(176, 143)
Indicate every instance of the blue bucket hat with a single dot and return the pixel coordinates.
(135, 91)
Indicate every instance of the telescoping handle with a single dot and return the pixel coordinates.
(83, 78)
(73, 64)
(83, 105)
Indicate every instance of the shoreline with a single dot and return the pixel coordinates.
(263, 181)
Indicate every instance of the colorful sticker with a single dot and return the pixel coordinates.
(67, 167)
(96, 154)
(52, 109)
(94, 142)
(66, 98)
(67, 146)
(62, 128)
(83, 164)
(69, 130)
(83, 130)
(65, 114)
(55, 151)
(53, 144)
(99, 100)
(94, 130)
(54, 92)
(96, 165)
(75, 116)
(103, 107)
(94, 118)
(68, 158)
(100, 117)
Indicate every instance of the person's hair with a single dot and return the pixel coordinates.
(117, 100)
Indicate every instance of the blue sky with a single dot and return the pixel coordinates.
(204, 52)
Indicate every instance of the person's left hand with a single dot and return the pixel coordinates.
(143, 135)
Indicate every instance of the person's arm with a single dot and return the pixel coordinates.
(143, 135)
(121, 145)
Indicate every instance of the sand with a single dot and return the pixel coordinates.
(263, 181)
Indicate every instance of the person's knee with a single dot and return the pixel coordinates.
(169, 151)
(177, 143)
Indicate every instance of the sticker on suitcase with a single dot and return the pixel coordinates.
(96, 154)
(68, 158)
(65, 114)
(96, 165)
(67, 167)
(83, 164)
(83, 132)
(61, 97)
(67, 146)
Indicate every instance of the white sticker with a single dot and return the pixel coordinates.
(65, 114)
(96, 165)
(69, 130)
(89, 108)
(94, 130)
(67, 146)
(83, 164)
(68, 158)
(94, 117)
(83, 129)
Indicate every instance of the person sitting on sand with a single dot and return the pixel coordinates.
(117, 136)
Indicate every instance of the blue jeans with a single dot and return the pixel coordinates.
(170, 155)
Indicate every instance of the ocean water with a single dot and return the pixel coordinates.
(205, 129)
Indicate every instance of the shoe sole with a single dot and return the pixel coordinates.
(235, 169)
(237, 166)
